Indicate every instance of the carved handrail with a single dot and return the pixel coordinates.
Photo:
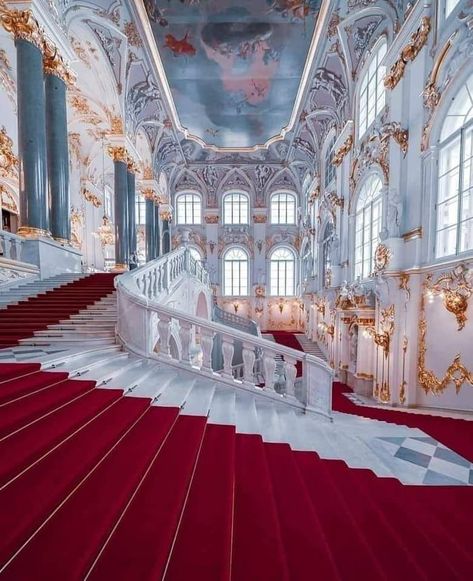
(235, 321)
(145, 326)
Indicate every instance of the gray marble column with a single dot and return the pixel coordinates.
(157, 231)
(34, 212)
(166, 236)
(58, 156)
(131, 212)
(122, 248)
(150, 228)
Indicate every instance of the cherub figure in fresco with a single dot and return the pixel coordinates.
(179, 47)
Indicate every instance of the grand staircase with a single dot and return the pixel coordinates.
(119, 467)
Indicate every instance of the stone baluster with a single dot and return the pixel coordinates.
(206, 344)
(164, 330)
(185, 337)
(290, 370)
(269, 367)
(248, 363)
(228, 349)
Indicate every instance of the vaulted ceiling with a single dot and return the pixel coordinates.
(234, 68)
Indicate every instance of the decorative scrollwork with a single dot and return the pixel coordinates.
(382, 257)
(382, 338)
(408, 53)
(455, 290)
(342, 151)
(8, 160)
(92, 198)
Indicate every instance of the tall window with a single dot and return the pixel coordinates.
(330, 170)
(326, 262)
(235, 208)
(450, 6)
(455, 179)
(283, 208)
(282, 272)
(367, 226)
(372, 93)
(189, 209)
(140, 210)
(235, 273)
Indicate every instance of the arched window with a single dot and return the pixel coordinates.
(367, 225)
(282, 272)
(455, 178)
(283, 208)
(235, 208)
(189, 209)
(329, 168)
(326, 262)
(235, 273)
(372, 93)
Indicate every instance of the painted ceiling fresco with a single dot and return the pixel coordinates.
(234, 68)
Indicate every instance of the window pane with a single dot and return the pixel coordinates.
(372, 92)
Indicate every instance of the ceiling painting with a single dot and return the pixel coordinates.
(234, 69)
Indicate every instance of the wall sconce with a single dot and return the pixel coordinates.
(236, 306)
(281, 306)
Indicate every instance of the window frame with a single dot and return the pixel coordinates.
(245, 290)
(140, 210)
(286, 282)
(328, 155)
(380, 73)
(288, 195)
(372, 201)
(243, 196)
(196, 220)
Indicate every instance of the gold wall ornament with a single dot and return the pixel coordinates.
(402, 387)
(382, 257)
(54, 64)
(166, 215)
(22, 24)
(334, 200)
(342, 151)
(314, 195)
(148, 194)
(91, 197)
(147, 172)
(413, 234)
(455, 290)
(134, 38)
(404, 282)
(105, 232)
(408, 53)
(383, 337)
(7, 200)
(456, 372)
(118, 153)
(8, 160)
(260, 218)
(116, 125)
(211, 219)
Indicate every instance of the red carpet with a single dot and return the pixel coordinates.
(96, 482)
(35, 314)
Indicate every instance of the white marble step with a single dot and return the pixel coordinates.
(73, 340)
(83, 332)
(246, 416)
(223, 407)
(87, 326)
(176, 391)
(105, 374)
(199, 400)
(154, 382)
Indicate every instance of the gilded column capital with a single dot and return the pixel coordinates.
(22, 24)
(54, 64)
(166, 214)
(132, 166)
(118, 153)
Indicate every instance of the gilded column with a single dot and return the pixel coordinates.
(149, 196)
(157, 232)
(57, 76)
(121, 220)
(34, 214)
(166, 217)
(131, 183)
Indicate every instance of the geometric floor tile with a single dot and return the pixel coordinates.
(441, 465)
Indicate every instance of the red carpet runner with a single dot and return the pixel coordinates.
(94, 482)
(35, 314)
